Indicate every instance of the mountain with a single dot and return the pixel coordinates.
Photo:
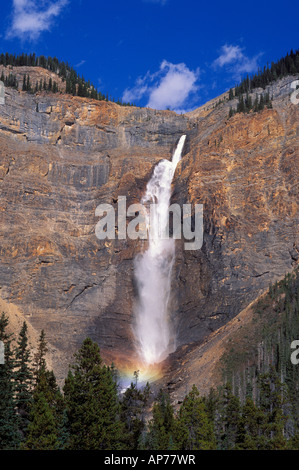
(62, 155)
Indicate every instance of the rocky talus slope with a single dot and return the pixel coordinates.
(61, 156)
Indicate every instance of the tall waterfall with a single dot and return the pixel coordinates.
(153, 268)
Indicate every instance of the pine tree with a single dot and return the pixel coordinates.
(212, 403)
(231, 112)
(23, 379)
(248, 102)
(28, 84)
(272, 400)
(42, 430)
(241, 105)
(47, 412)
(92, 404)
(67, 74)
(40, 356)
(133, 414)
(230, 418)
(261, 104)
(256, 103)
(194, 429)
(9, 434)
(248, 428)
(160, 435)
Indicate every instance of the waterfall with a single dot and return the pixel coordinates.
(153, 267)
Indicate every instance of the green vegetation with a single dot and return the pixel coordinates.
(245, 105)
(92, 405)
(247, 424)
(267, 337)
(9, 80)
(288, 65)
(74, 84)
(90, 414)
(263, 347)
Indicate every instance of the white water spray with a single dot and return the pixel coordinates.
(153, 268)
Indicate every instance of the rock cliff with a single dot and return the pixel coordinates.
(61, 156)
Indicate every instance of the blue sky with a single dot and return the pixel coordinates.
(173, 54)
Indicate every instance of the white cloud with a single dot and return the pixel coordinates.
(140, 89)
(31, 17)
(82, 62)
(236, 61)
(171, 87)
(228, 55)
(248, 65)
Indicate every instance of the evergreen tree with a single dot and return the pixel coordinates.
(261, 104)
(248, 103)
(160, 435)
(272, 400)
(230, 418)
(28, 84)
(249, 427)
(9, 434)
(92, 404)
(133, 414)
(212, 404)
(47, 411)
(75, 85)
(23, 379)
(194, 429)
(241, 105)
(42, 430)
(40, 365)
(231, 112)
(256, 103)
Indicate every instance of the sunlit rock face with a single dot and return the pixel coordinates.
(61, 156)
(245, 172)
